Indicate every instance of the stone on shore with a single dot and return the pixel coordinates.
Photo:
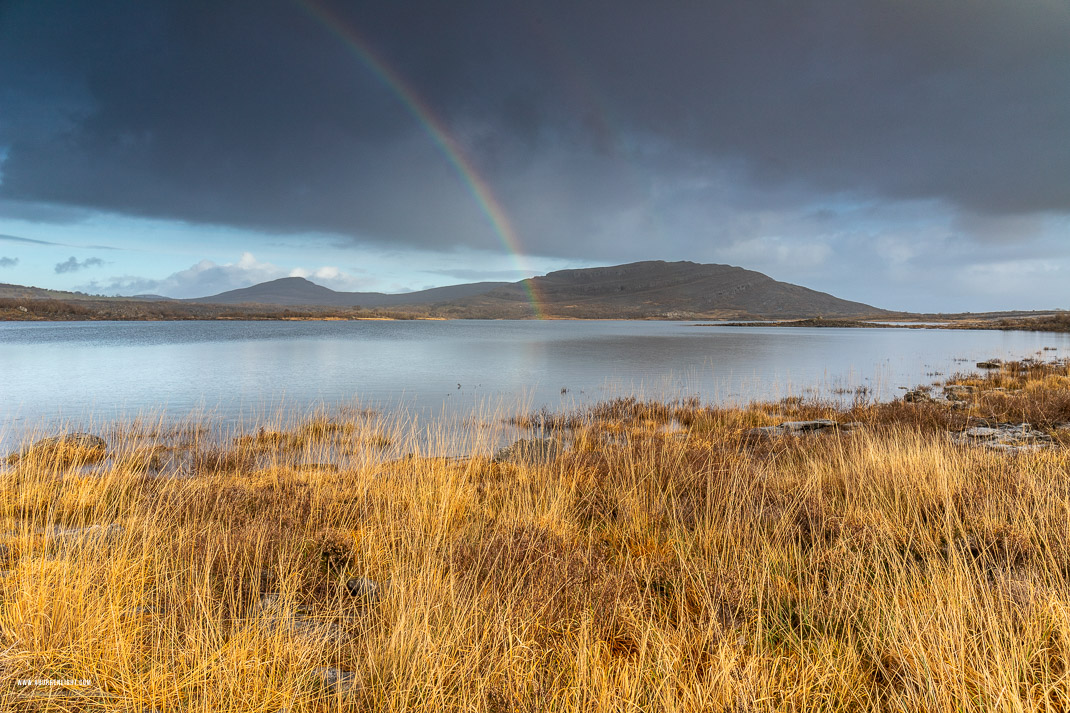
(529, 450)
(959, 392)
(794, 428)
(364, 588)
(65, 449)
(275, 615)
(1008, 437)
(338, 681)
(86, 536)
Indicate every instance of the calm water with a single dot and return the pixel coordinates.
(55, 372)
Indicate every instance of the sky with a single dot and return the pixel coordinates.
(911, 154)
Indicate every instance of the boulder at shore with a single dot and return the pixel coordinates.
(529, 450)
(65, 449)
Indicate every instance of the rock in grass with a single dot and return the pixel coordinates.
(275, 616)
(817, 424)
(765, 431)
(529, 450)
(336, 680)
(73, 440)
(989, 364)
(917, 396)
(1008, 437)
(137, 612)
(367, 589)
(959, 392)
(87, 536)
(793, 428)
(66, 449)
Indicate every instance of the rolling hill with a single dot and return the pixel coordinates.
(297, 291)
(641, 290)
(657, 289)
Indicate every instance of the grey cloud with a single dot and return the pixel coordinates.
(33, 212)
(256, 114)
(987, 228)
(32, 241)
(27, 241)
(72, 264)
(8, 261)
(482, 275)
(906, 153)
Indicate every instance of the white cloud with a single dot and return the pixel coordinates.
(209, 278)
(324, 273)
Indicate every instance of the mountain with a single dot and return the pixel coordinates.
(652, 289)
(284, 291)
(294, 291)
(24, 292)
(674, 289)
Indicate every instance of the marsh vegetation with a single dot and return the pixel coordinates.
(663, 556)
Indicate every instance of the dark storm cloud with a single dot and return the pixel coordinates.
(72, 264)
(591, 121)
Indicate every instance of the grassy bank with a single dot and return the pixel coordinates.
(132, 310)
(651, 557)
(1059, 322)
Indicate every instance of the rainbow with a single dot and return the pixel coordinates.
(436, 128)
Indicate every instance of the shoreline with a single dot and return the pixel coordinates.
(1054, 323)
(1025, 325)
(964, 397)
(123, 309)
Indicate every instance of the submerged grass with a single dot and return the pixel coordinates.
(662, 559)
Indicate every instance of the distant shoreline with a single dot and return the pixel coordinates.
(824, 323)
(128, 310)
(1028, 324)
(1051, 323)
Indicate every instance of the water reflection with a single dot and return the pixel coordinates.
(237, 370)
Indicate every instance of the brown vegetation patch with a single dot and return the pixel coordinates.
(534, 572)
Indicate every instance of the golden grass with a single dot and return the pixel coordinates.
(664, 561)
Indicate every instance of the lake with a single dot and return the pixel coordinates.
(74, 372)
